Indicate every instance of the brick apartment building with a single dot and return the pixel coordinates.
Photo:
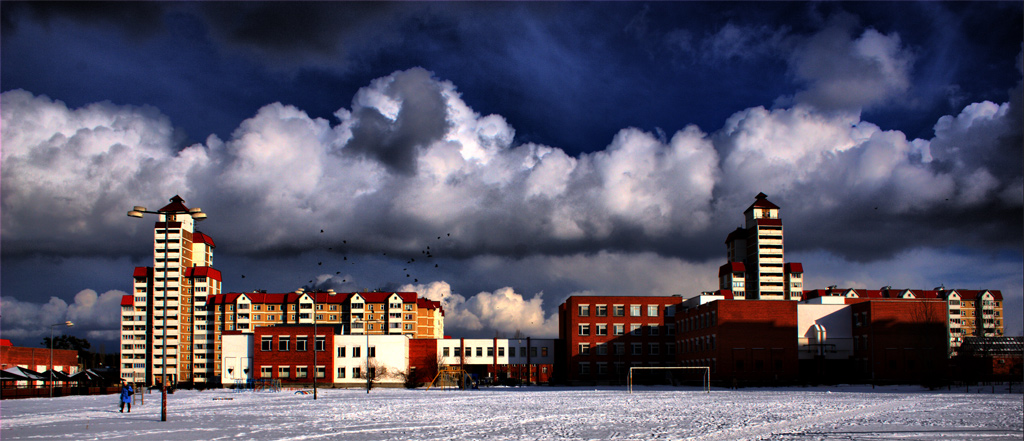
(603, 336)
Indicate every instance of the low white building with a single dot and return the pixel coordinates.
(384, 358)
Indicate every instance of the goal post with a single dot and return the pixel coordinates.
(706, 376)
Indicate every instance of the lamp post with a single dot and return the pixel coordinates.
(314, 345)
(197, 215)
(67, 324)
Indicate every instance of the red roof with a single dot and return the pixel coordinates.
(5, 342)
(142, 271)
(761, 201)
(198, 237)
(430, 304)
(793, 267)
(203, 271)
(177, 204)
(763, 221)
(731, 267)
(319, 297)
(127, 300)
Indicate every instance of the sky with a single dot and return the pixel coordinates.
(540, 150)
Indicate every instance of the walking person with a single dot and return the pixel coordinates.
(126, 396)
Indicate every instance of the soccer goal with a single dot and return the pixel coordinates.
(706, 377)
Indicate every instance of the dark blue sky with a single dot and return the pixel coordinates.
(889, 132)
(564, 74)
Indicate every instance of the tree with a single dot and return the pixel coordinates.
(67, 342)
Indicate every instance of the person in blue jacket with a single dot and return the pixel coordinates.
(126, 396)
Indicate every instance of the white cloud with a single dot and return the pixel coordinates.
(96, 317)
(503, 311)
(850, 74)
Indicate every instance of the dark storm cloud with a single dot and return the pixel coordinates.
(594, 147)
(137, 19)
(420, 120)
(289, 35)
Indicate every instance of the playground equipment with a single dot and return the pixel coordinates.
(452, 377)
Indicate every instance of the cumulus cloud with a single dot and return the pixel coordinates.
(503, 311)
(410, 159)
(847, 73)
(96, 317)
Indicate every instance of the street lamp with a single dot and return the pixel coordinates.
(168, 214)
(314, 345)
(67, 324)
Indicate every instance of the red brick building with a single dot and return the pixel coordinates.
(900, 341)
(285, 353)
(603, 336)
(741, 340)
(37, 359)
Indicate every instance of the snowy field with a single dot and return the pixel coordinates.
(850, 412)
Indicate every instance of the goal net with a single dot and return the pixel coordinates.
(703, 371)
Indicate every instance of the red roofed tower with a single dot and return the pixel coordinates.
(767, 276)
(182, 272)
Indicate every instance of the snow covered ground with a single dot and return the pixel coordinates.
(845, 412)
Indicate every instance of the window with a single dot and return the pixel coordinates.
(619, 310)
(652, 310)
(490, 351)
(533, 352)
(321, 371)
(372, 351)
(372, 371)
(634, 310)
(584, 329)
(341, 372)
(653, 348)
(301, 372)
(444, 352)
(634, 329)
(356, 373)
(356, 350)
(637, 349)
(620, 349)
(584, 368)
(584, 310)
(458, 351)
(652, 329)
(602, 349)
(602, 329)
(320, 340)
(584, 348)
(501, 351)
(266, 343)
(341, 352)
(522, 351)
(265, 372)
(282, 372)
(618, 329)
(479, 351)
(300, 343)
(282, 342)
(602, 310)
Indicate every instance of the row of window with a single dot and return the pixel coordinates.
(636, 329)
(457, 351)
(285, 371)
(585, 349)
(620, 310)
(284, 343)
